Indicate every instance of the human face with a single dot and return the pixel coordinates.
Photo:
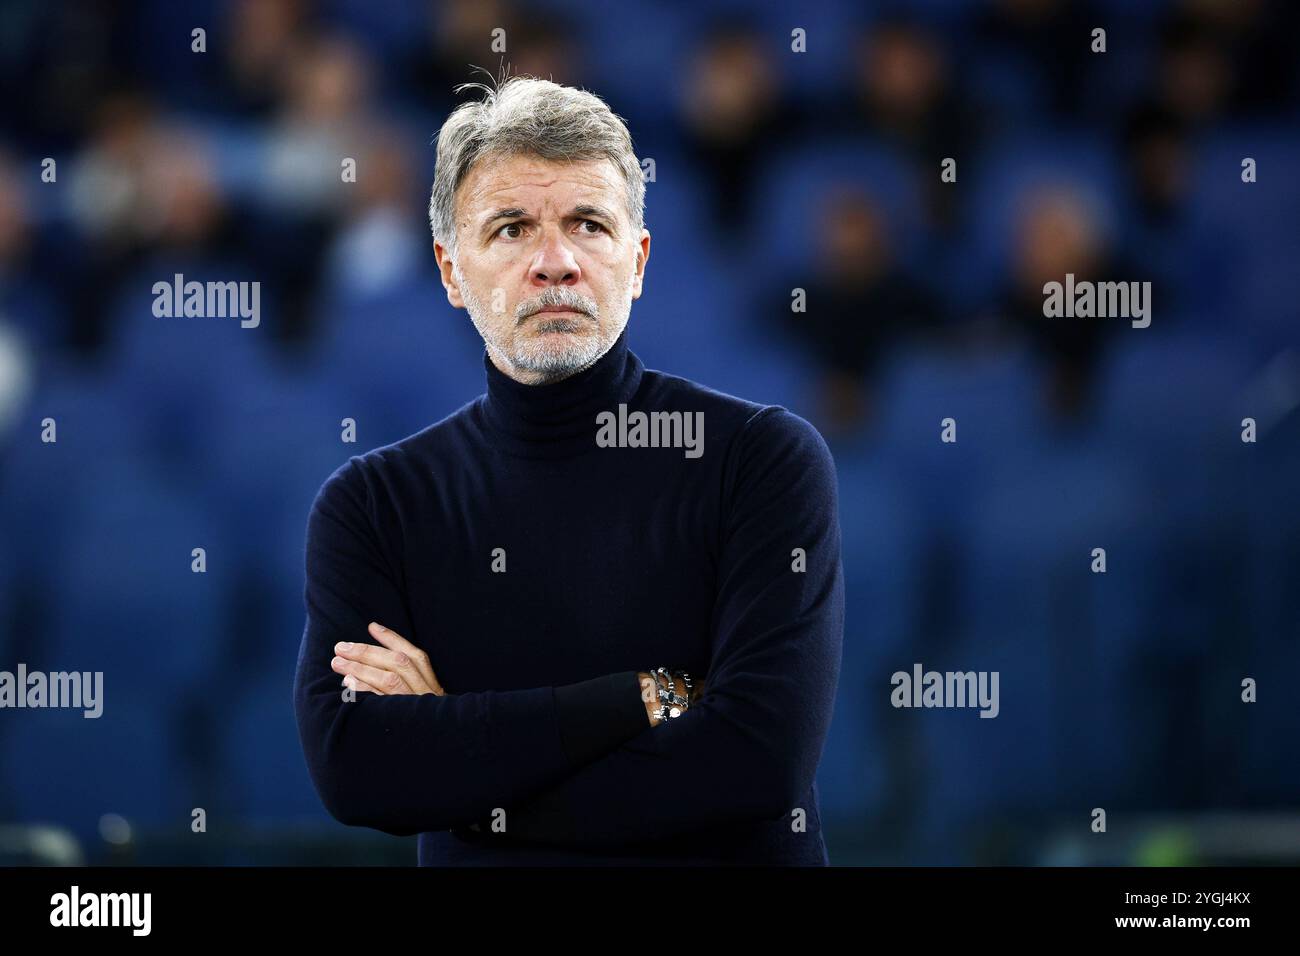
(547, 263)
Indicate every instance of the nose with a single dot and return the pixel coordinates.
(554, 263)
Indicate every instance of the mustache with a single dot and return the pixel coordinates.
(578, 306)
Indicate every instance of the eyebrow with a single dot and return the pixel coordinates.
(583, 210)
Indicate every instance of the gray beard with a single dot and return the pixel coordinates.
(549, 362)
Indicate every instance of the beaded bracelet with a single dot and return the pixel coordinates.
(674, 704)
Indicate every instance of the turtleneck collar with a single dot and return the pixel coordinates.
(559, 418)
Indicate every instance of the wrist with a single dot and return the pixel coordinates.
(649, 696)
(673, 692)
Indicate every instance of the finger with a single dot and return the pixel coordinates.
(358, 684)
(383, 659)
(395, 642)
(398, 644)
(390, 682)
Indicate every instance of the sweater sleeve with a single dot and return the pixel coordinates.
(414, 763)
(748, 748)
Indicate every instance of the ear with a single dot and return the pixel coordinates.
(642, 256)
(446, 269)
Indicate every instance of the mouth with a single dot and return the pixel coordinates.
(553, 310)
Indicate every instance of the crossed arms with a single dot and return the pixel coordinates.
(580, 764)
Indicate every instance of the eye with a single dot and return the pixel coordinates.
(594, 223)
(510, 225)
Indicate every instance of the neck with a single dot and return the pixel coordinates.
(558, 418)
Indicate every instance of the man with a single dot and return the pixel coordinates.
(489, 601)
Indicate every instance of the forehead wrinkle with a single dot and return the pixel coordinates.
(482, 192)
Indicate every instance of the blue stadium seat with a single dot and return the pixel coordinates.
(995, 398)
(1062, 639)
(1172, 399)
(169, 370)
(882, 578)
(1262, 545)
(800, 177)
(705, 330)
(265, 774)
(61, 768)
(123, 598)
(1245, 231)
(619, 52)
(9, 592)
(405, 357)
(93, 427)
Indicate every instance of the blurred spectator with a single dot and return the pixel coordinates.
(25, 272)
(859, 304)
(321, 121)
(384, 238)
(1157, 161)
(318, 123)
(181, 207)
(460, 36)
(1051, 40)
(903, 94)
(140, 188)
(1048, 41)
(262, 41)
(105, 203)
(64, 58)
(1195, 76)
(1238, 55)
(545, 45)
(1156, 153)
(734, 116)
(1058, 234)
(903, 90)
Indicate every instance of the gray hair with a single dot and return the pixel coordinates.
(529, 116)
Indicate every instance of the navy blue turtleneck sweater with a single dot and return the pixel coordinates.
(540, 569)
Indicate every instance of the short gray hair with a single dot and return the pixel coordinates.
(529, 116)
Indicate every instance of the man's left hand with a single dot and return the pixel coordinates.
(397, 667)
